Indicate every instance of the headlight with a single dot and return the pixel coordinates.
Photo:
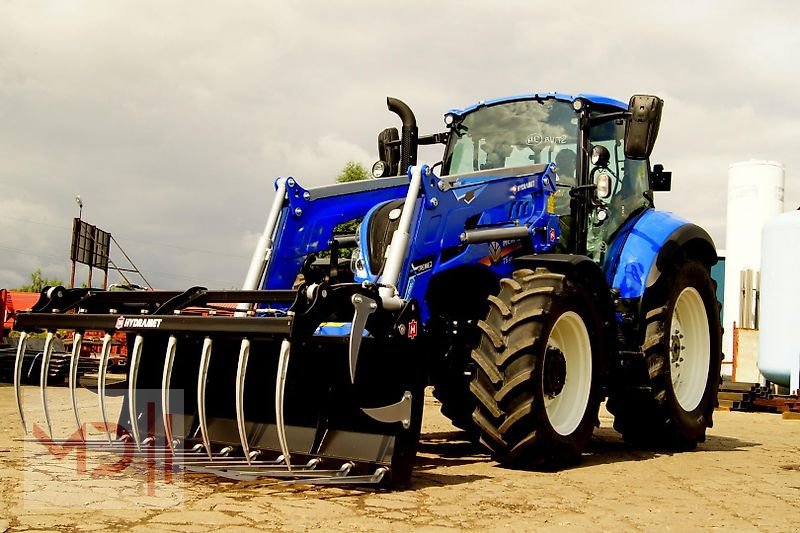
(603, 186)
(379, 169)
(600, 156)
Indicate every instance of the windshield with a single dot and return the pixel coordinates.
(513, 134)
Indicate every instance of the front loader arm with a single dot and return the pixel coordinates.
(309, 217)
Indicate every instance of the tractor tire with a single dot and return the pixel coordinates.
(539, 364)
(457, 402)
(682, 350)
(457, 405)
(451, 382)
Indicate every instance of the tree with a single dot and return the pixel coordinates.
(353, 171)
(39, 282)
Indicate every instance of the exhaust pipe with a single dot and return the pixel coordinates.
(408, 139)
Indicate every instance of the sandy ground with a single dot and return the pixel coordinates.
(746, 477)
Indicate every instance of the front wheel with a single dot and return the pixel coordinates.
(682, 350)
(539, 362)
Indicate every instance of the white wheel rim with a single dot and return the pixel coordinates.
(565, 410)
(690, 349)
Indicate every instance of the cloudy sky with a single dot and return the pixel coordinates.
(172, 119)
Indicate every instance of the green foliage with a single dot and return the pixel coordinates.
(39, 282)
(353, 171)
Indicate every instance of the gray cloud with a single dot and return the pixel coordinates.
(173, 119)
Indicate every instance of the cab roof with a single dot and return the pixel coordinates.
(593, 98)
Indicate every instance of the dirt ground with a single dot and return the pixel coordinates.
(745, 477)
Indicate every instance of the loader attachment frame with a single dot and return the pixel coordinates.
(330, 417)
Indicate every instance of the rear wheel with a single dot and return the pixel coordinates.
(683, 356)
(539, 362)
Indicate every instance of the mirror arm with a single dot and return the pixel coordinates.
(605, 117)
(434, 138)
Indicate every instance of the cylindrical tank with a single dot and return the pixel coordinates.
(755, 194)
(779, 335)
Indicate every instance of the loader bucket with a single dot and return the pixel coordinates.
(264, 394)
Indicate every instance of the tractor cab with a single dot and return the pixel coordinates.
(599, 187)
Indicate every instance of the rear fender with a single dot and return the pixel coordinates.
(640, 253)
(649, 246)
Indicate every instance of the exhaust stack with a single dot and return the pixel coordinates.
(408, 139)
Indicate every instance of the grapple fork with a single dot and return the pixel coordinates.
(264, 393)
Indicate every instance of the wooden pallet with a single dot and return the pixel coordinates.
(779, 404)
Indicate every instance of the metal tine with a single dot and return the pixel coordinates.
(165, 383)
(195, 453)
(122, 441)
(244, 353)
(101, 382)
(250, 473)
(45, 370)
(23, 342)
(278, 463)
(77, 341)
(366, 479)
(133, 373)
(280, 388)
(342, 471)
(201, 394)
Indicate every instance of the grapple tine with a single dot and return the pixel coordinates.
(136, 356)
(367, 479)
(45, 370)
(165, 382)
(363, 308)
(279, 463)
(101, 382)
(205, 358)
(77, 341)
(23, 341)
(244, 353)
(280, 387)
(258, 471)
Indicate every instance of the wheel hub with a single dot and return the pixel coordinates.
(676, 347)
(555, 372)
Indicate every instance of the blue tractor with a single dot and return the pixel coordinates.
(526, 276)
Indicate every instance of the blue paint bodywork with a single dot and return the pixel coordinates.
(445, 208)
(633, 253)
(306, 225)
(593, 98)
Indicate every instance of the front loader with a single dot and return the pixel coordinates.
(526, 276)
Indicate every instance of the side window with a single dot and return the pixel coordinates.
(628, 183)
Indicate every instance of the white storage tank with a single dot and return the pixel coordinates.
(755, 195)
(779, 335)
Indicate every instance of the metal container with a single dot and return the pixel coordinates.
(779, 346)
(755, 194)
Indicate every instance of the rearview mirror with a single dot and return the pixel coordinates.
(660, 179)
(641, 128)
(389, 150)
